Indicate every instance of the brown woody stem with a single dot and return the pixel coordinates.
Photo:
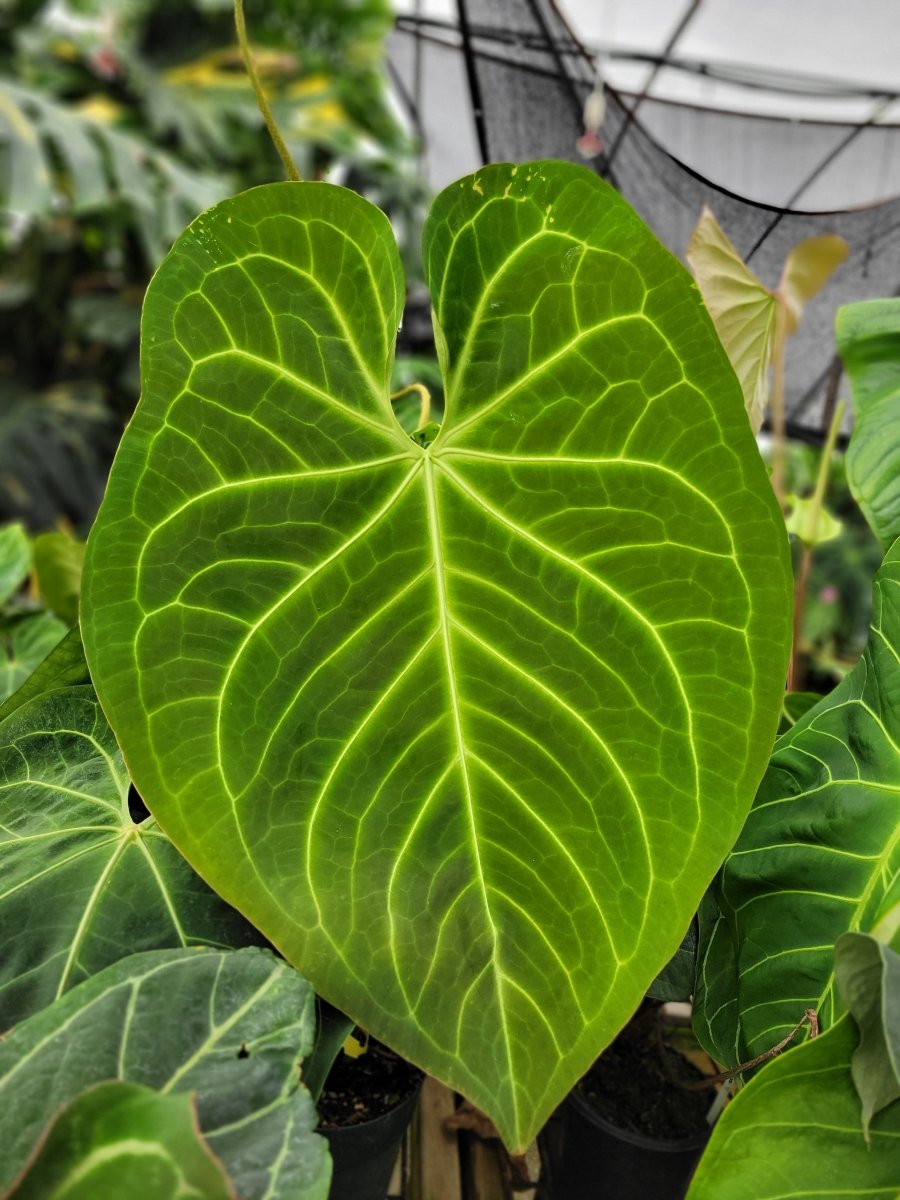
(810, 1018)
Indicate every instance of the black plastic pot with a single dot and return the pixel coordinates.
(587, 1158)
(364, 1154)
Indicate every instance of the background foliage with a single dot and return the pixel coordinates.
(121, 120)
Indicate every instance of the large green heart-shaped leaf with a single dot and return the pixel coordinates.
(818, 856)
(120, 1139)
(868, 338)
(81, 883)
(230, 1025)
(796, 1132)
(465, 729)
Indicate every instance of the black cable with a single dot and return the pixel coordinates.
(576, 101)
(817, 171)
(689, 13)
(474, 84)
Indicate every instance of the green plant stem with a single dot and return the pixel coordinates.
(808, 539)
(425, 396)
(274, 132)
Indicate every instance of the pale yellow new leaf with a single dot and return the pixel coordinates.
(742, 309)
(812, 523)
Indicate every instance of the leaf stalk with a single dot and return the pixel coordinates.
(261, 99)
(424, 395)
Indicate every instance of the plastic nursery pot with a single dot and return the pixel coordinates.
(364, 1155)
(364, 1147)
(634, 1127)
(591, 1159)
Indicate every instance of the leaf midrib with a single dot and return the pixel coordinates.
(445, 622)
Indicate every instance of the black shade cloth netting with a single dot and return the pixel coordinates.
(528, 77)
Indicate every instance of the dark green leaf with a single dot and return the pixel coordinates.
(868, 980)
(676, 980)
(795, 1131)
(818, 856)
(64, 666)
(230, 1026)
(81, 885)
(868, 339)
(794, 706)
(119, 1139)
(466, 729)
(25, 642)
(332, 1030)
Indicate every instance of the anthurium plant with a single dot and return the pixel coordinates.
(463, 722)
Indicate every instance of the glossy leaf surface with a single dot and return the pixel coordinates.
(464, 729)
(230, 1026)
(868, 979)
(119, 1139)
(868, 339)
(82, 885)
(796, 1131)
(818, 856)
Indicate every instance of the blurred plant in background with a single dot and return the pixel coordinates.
(835, 621)
(120, 121)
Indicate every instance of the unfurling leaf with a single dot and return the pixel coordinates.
(807, 269)
(811, 522)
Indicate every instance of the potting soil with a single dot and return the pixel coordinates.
(360, 1089)
(640, 1084)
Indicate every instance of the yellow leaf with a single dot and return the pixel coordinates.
(813, 524)
(354, 1048)
(807, 269)
(100, 108)
(743, 310)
